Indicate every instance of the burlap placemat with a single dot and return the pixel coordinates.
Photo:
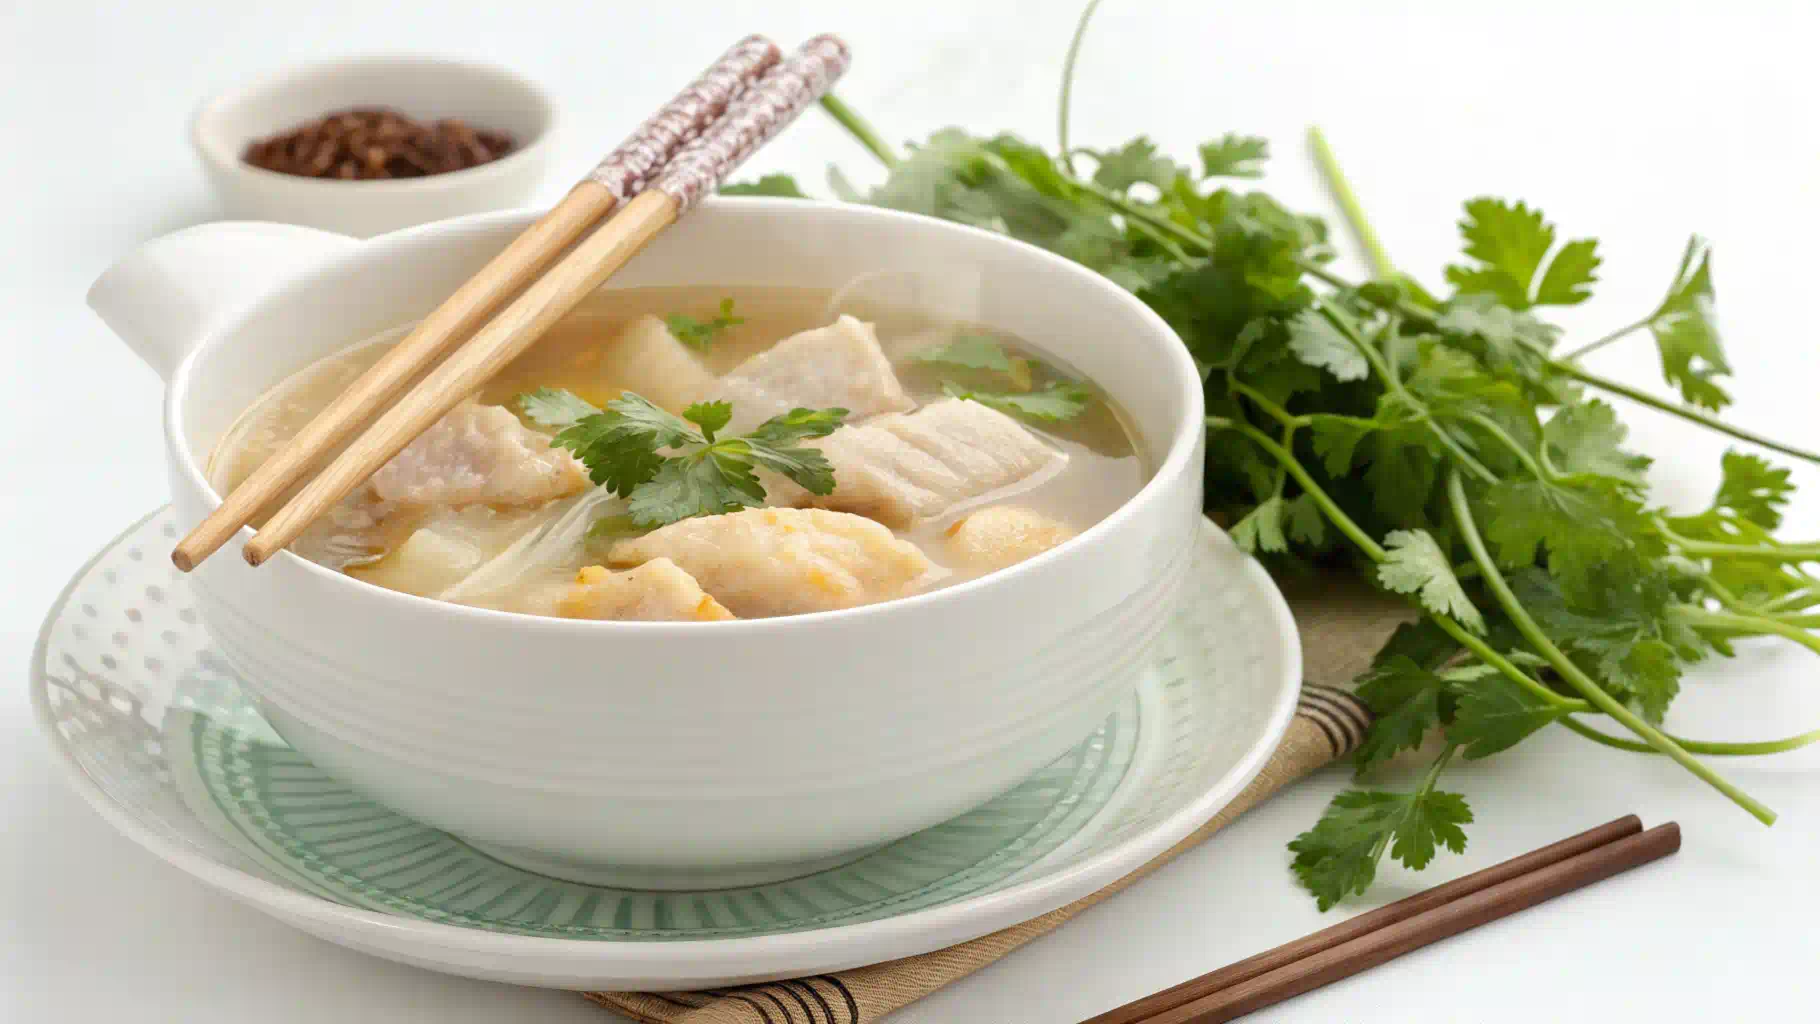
(1342, 623)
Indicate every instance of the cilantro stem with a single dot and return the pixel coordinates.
(1375, 551)
(1593, 346)
(1335, 179)
(1755, 552)
(861, 131)
(1575, 676)
(1379, 365)
(1277, 412)
(1709, 748)
(1675, 409)
(1748, 625)
(1502, 436)
(1795, 597)
(1066, 102)
(1137, 213)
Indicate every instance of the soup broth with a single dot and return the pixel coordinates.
(930, 489)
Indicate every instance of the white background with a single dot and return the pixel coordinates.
(1635, 122)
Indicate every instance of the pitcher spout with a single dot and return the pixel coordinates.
(168, 295)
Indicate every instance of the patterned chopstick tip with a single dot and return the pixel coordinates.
(754, 119)
(684, 118)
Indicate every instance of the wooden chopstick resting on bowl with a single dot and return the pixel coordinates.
(1404, 926)
(696, 170)
(614, 181)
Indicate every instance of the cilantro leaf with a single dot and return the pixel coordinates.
(781, 185)
(1262, 528)
(1336, 440)
(1584, 528)
(1493, 714)
(1306, 523)
(709, 416)
(798, 424)
(555, 408)
(1510, 242)
(704, 483)
(1405, 702)
(1570, 275)
(1315, 340)
(1687, 337)
(1620, 631)
(1339, 856)
(1585, 438)
(1415, 564)
(1234, 156)
(1135, 162)
(970, 351)
(1752, 489)
(1509, 338)
(619, 445)
(699, 334)
(1060, 400)
(772, 445)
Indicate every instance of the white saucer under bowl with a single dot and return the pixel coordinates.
(156, 734)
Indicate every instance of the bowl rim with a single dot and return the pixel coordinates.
(224, 155)
(1177, 457)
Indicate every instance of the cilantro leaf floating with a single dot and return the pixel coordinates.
(969, 351)
(672, 467)
(555, 408)
(1053, 403)
(699, 334)
(779, 185)
(1511, 241)
(1415, 564)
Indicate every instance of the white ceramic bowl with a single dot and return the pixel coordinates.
(427, 88)
(669, 753)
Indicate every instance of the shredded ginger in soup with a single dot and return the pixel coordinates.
(701, 454)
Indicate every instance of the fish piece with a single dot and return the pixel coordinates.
(656, 591)
(479, 454)
(936, 461)
(1002, 535)
(840, 365)
(648, 359)
(785, 561)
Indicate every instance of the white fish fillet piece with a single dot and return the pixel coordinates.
(648, 359)
(1002, 535)
(656, 591)
(479, 454)
(936, 461)
(785, 561)
(840, 365)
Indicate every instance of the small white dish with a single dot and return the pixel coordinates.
(150, 723)
(425, 88)
(724, 750)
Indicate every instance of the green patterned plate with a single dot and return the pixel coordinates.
(158, 736)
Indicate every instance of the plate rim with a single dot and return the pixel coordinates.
(685, 962)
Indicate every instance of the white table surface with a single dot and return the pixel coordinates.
(1635, 122)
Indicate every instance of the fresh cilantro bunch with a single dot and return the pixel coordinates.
(624, 448)
(1439, 443)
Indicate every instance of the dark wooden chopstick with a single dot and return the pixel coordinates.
(1390, 931)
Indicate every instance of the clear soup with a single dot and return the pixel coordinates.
(937, 489)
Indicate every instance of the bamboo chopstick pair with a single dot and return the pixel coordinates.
(1404, 926)
(657, 174)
